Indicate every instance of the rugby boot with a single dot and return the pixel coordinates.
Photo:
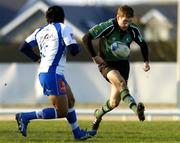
(22, 124)
(84, 135)
(140, 111)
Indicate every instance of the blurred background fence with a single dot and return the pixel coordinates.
(20, 84)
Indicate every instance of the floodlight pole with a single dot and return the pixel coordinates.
(178, 55)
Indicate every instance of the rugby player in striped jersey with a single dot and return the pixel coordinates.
(54, 40)
(112, 58)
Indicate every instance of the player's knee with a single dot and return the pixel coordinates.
(62, 112)
(114, 103)
(123, 84)
(71, 102)
(119, 82)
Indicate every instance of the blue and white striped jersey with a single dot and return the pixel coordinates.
(52, 40)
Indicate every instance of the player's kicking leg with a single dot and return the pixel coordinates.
(99, 114)
(97, 121)
(110, 105)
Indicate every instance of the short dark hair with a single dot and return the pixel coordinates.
(125, 11)
(55, 14)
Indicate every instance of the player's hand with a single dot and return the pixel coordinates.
(146, 67)
(97, 60)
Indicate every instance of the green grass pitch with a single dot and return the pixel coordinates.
(58, 131)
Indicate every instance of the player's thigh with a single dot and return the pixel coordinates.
(114, 97)
(116, 79)
(70, 96)
(60, 103)
(52, 84)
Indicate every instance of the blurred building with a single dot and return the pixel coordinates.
(159, 21)
(19, 20)
(157, 26)
(31, 15)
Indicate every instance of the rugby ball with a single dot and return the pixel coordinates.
(120, 50)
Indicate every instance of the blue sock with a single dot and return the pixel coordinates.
(47, 113)
(29, 115)
(71, 117)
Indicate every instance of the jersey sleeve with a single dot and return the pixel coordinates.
(31, 39)
(138, 38)
(101, 29)
(68, 36)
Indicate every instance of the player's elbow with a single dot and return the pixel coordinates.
(23, 47)
(74, 49)
(86, 38)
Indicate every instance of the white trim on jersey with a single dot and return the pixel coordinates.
(103, 31)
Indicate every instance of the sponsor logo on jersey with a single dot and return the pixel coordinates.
(46, 36)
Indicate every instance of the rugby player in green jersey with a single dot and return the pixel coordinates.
(112, 58)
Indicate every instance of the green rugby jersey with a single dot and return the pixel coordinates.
(110, 34)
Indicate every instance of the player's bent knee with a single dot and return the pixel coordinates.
(71, 103)
(62, 113)
(114, 104)
(123, 85)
